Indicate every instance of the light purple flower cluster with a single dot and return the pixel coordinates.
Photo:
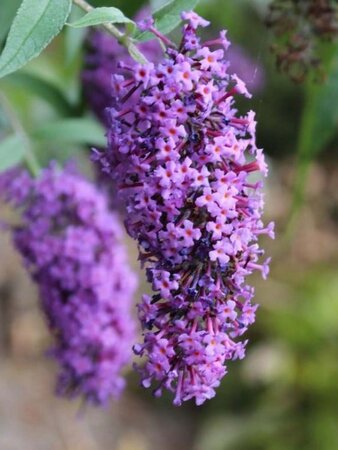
(183, 157)
(103, 57)
(71, 245)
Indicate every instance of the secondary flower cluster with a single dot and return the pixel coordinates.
(71, 245)
(183, 158)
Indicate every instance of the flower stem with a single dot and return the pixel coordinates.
(122, 38)
(31, 161)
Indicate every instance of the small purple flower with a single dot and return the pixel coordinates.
(71, 245)
(182, 157)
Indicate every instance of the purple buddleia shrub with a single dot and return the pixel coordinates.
(183, 157)
(71, 245)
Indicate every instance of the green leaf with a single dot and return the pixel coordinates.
(8, 8)
(35, 25)
(41, 88)
(168, 17)
(99, 16)
(131, 29)
(75, 131)
(12, 152)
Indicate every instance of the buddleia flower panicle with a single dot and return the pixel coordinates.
(104, 56)
(184, 157)
(71, 245)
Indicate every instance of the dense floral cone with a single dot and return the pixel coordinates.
(104, 56)
(183, 157)
(71, 245)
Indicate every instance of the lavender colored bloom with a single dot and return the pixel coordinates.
(183, 157)
(104, 55)
(71, 245)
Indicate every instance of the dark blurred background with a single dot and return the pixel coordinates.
(284, 394)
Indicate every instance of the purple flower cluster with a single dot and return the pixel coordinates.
(71, 245)
(103, 57)
(183, 158)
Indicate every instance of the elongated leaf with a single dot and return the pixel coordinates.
(12, 151)
(168, 17)
(41, 88)
(8, 8)
(99, 16)
(35, 25)
(75, 131)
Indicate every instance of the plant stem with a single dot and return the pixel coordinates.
(30, 159)
(122, 38)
